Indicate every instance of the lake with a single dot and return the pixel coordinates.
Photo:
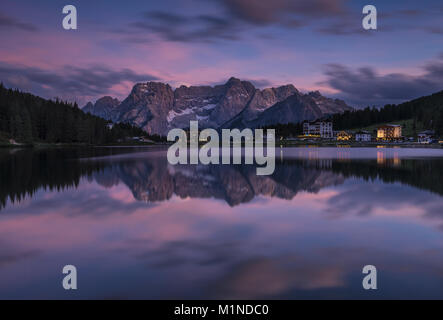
(136, 227)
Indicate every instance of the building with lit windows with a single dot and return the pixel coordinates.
(344, 136)
(321, 129)
(389, 132)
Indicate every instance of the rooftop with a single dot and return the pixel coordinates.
(390, 126)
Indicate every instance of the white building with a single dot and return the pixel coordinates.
(363, 136)
(425, 137)
(322, 129)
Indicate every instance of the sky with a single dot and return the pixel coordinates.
(315, 45)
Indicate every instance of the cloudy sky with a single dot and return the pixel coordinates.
(315, 44)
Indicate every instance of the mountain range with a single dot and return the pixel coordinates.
(154, 180)
(157, 108)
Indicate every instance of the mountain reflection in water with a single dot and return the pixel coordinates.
(137, 227)
(150, 178)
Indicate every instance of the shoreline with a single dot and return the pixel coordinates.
(354, 144)
(75, 145)
(279, 144)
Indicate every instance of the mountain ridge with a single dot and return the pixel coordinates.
(157, 108)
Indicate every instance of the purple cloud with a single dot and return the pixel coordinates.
(7, 23)
(69, 81)
(365, 86)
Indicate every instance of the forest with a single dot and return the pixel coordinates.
(426, 111)
(29, 119)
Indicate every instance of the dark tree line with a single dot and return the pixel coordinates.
(27, 118)
(423, 174)
(24, 172)
(286, 130)
(428, 111)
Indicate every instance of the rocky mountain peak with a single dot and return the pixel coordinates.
(104, 107)
(150, 88)
(233, 80)
(315, 94)
(148, 101)
(88, 107)
(107, 101)
(157, 108)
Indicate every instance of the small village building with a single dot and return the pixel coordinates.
(389, 132)
(344, 136)
(363, 136)
(318, 129)
(425, 137)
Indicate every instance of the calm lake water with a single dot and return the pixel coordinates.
(136, 227)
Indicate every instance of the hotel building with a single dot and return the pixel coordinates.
(321, 129)
(389, 132)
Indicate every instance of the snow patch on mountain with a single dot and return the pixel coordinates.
(173, 114)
